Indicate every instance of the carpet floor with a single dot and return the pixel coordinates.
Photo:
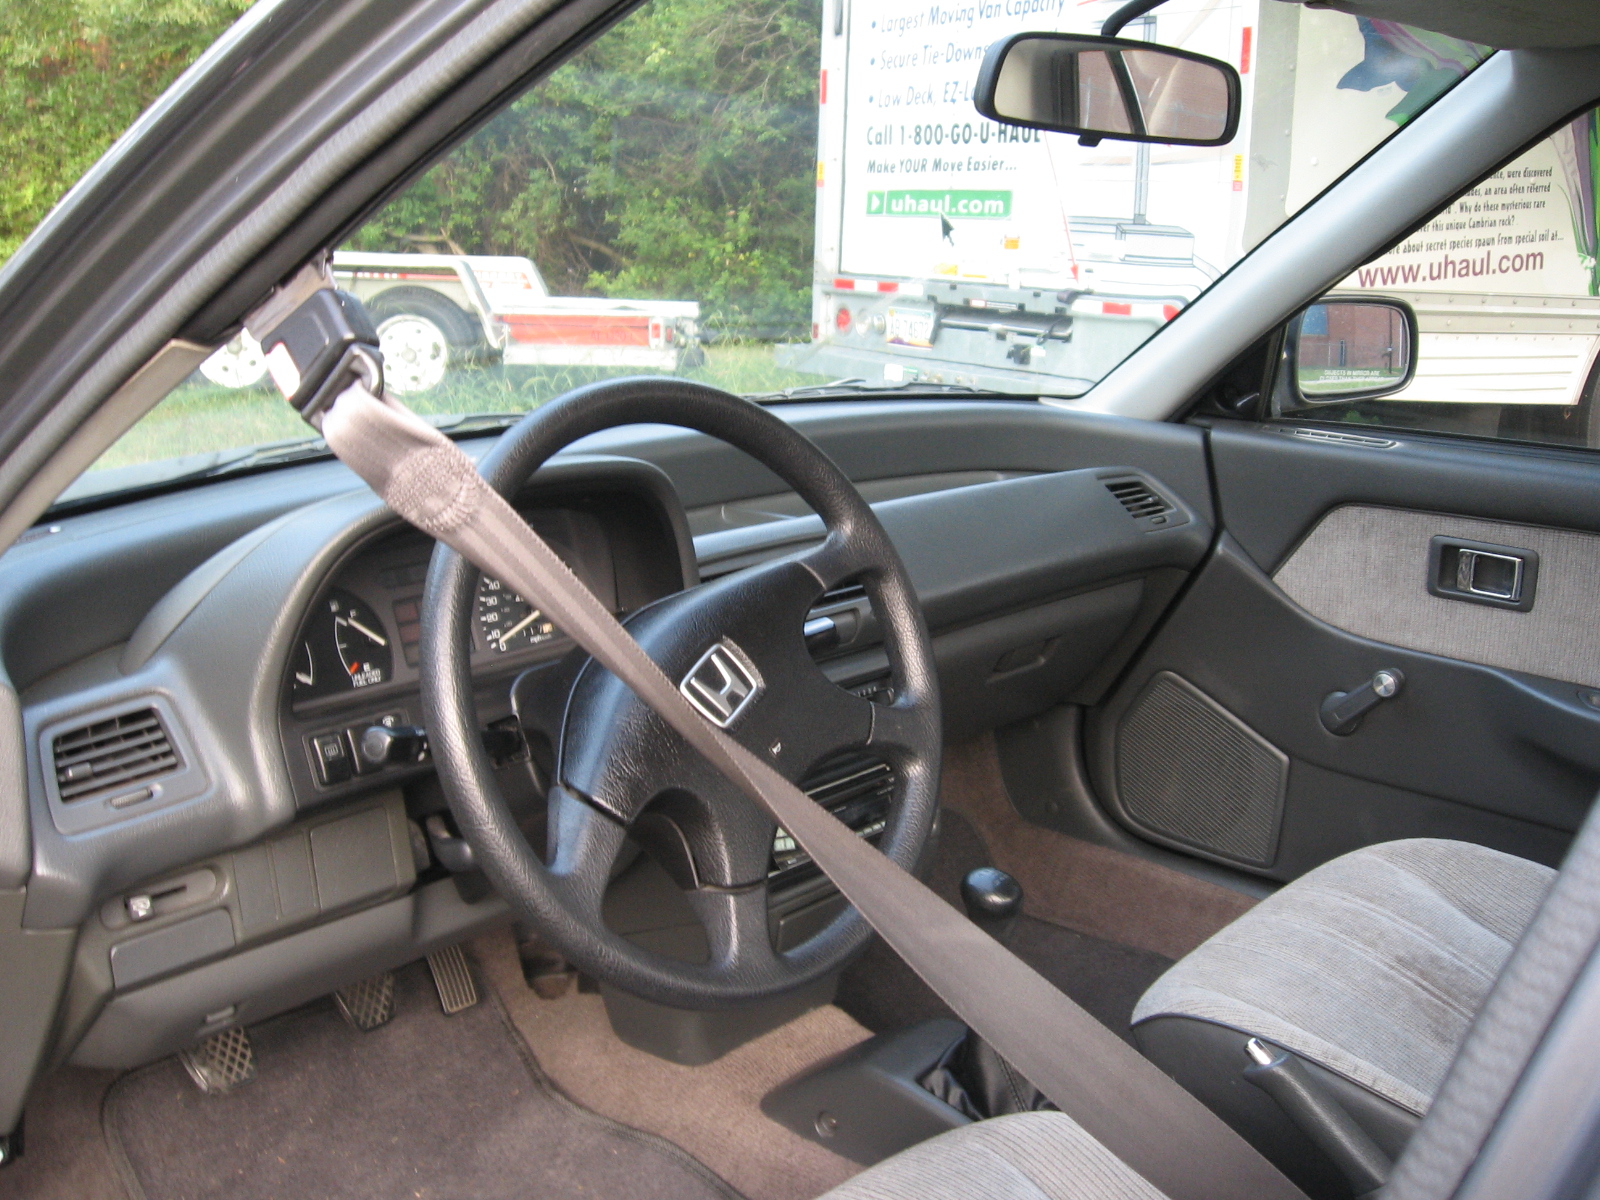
(428, 1107)
(712, 1111)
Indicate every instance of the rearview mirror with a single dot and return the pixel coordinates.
(1345, 349)
(1115, 88)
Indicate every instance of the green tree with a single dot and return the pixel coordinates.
(73, 75)
(673, 158)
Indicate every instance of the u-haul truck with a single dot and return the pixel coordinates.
(952, 249)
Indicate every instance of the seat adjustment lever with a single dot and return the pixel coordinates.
(1318, 1115)
(1342, 711)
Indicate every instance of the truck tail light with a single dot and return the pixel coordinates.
(842, 319)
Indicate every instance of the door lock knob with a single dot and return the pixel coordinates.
(1342, 711)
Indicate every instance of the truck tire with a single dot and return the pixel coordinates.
(422, 336)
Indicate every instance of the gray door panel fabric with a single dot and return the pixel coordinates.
(1026, 1156)
(1364, 569)
(1373, 966)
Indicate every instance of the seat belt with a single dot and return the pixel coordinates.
(331, 374)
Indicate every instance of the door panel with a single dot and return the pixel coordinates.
(1365, 570)
(1489, 739)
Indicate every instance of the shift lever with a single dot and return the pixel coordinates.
(993, 901)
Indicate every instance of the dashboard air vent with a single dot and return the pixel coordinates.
(114, 753)
(1137, 498)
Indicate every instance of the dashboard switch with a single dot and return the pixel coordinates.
(331, 758)
(384, 745)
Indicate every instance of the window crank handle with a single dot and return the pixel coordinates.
(1342, 711)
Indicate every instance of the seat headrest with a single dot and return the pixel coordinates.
(1504, 24)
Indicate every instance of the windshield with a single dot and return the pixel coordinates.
(789, 200)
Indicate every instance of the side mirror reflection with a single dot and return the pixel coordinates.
(1342, 349)
(1109, 88)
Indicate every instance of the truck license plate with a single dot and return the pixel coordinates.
(910, 327)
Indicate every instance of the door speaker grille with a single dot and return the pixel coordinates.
(1190, 771)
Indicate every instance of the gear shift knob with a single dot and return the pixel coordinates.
(993, 901)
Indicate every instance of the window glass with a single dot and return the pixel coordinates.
(778, 194)
(1506, 290)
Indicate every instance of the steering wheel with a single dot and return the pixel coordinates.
(621, 769)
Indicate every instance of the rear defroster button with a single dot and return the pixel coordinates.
(331, 758)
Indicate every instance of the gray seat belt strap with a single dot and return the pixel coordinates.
(1106, 1086)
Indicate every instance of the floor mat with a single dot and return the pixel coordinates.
(66, 1157)
(712, 1111)
(427, 1107)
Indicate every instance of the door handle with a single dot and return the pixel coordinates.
(1342, 711)
(1482, 573)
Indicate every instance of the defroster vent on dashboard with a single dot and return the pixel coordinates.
(112, 753)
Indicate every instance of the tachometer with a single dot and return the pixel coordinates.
(507, 621)
(358, 635)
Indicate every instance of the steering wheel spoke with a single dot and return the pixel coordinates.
(837, 560)
(737, 931)
(584, 845)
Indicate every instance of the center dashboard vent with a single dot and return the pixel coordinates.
(1144, 504)
(112, 754)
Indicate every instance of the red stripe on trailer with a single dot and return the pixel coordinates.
(845, 285)
(1112, 308)
(580, 329)
(1244, 50)
(823, 88)
(888, 285)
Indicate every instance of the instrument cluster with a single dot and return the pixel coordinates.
(363, 635)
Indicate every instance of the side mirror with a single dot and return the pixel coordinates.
(1346, 349)
(1116, 88)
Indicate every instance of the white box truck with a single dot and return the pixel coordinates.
(952, 249)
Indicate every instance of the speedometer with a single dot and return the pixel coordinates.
(507, 621)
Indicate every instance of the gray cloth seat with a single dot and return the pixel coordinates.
(1026, 1156)
(1369, 968)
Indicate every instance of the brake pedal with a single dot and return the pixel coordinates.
(369, 1003)
(452, 976)
(220, 1063)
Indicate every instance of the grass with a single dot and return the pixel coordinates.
(199, 417)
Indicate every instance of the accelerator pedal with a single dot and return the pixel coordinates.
(368, 1004)
(220, 1063)
(452, 976)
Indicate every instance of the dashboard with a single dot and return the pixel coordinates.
(218, 644)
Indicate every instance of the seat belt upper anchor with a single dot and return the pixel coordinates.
(320, 348)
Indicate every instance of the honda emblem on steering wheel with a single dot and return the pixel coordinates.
(722, 684)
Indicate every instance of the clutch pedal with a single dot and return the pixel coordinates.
(369, 1003)
(220, 1063)
(452, 976)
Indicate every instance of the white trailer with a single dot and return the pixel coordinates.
(439, 311)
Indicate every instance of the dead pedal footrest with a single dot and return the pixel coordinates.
(220, 1063)
(452, 976)
(369, 1003)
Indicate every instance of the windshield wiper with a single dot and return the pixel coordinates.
(860, 387)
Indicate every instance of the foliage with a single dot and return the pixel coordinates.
(73, 75)
(673, 158)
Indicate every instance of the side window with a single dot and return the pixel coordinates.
(1506, 290)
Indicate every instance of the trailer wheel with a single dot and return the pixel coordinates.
(239, 364)
(421, 335)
